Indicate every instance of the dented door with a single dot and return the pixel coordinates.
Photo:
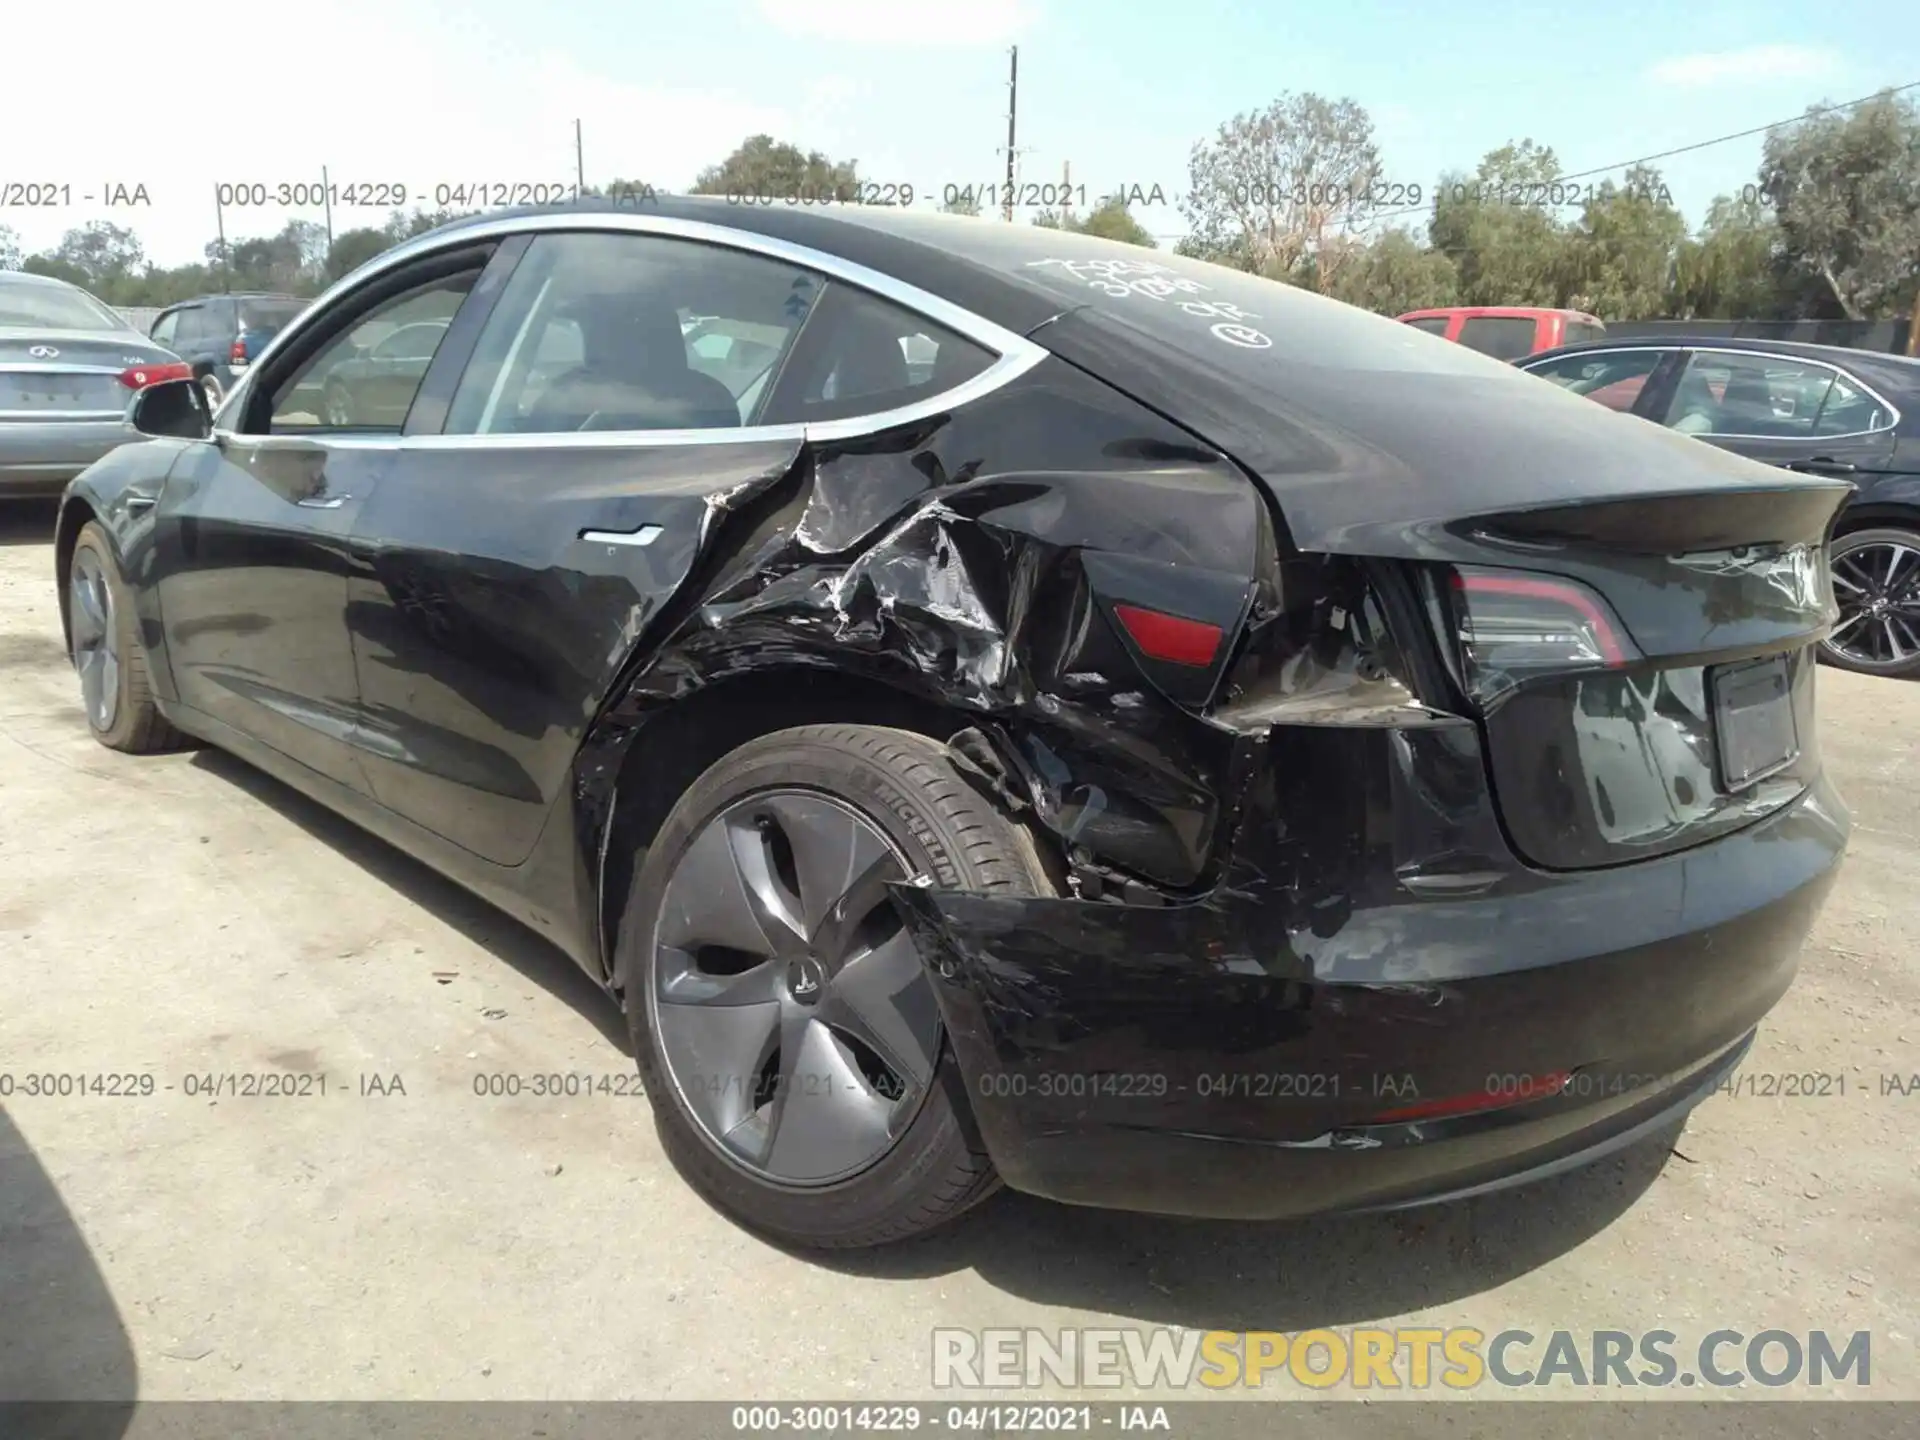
(496, 591)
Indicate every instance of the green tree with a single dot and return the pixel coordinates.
(1109, 220)
(1619, 256)
(9, 248)
(1506, 250)
(93, 255)
(1732, 270)
(354, 248)
(763, 166)
(1278, 185)
(963, 203)
(1846, 189)
(1397, 273)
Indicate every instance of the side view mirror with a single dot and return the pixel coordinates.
(177, 408)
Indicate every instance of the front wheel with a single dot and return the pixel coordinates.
(103, 642)
(215, 392)
(786, 1033)
(1876, 583)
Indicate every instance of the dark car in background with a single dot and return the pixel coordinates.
(1506, 332)
(1820, 409)
(220, 335)
(69, 366)
(1055, 713)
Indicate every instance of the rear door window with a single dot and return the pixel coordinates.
(1850, 409)
(598, 332)
(1432, 324)
(862, 355)
(1504, 337)
(1724, 392)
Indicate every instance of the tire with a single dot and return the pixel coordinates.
(1885, 639)
(104, 645)
(804, 784)
(336, 408)
(215, 392)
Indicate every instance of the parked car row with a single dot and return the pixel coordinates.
(70, 364)
(982, 727)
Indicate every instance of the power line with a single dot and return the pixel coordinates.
(1664, 154)
(1702, 144)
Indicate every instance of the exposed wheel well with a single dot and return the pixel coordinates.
(73, 516)
(674, 747)
(1866, 517)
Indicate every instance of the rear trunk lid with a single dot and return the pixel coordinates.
(69, 375)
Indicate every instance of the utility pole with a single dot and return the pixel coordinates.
(1013, 102)
(579, 163)
(220, 227)
(1066, 191)
(326, 199)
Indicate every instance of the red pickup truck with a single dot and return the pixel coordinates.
(1507, 332)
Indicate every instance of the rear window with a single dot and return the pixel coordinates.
(54, 307)
(1432, 324)
(1504, 337)
(268, 315)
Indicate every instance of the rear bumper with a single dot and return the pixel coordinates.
(39, 459)
(1236, 1057)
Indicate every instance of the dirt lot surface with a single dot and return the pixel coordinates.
(183, 915)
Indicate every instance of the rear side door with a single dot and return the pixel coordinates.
(1784, 410)
(252, 528)
(509, 567)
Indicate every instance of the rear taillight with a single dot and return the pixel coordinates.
(1172, 638)
(139, 377)
(239, 350)
(1511, 625)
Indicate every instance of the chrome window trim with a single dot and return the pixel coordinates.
(1601, 350)
(1851, 378)
(1017, 354)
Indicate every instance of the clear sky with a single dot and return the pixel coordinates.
(425, 92)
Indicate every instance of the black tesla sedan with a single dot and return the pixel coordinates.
(1064, 714)
(1819, 409)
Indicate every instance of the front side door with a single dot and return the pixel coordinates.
(252, 540)
(1782, 410)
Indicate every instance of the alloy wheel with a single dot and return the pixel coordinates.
(787, 999)
(1877, 588)
(96, 646)
(210, 384)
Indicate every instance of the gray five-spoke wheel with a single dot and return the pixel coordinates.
(96, 645)
(788, 1001)
(1877, 587)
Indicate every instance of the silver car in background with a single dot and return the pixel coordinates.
(69, 366)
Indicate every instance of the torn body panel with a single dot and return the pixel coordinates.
(922, 560)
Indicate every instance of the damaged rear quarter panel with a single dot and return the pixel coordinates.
(950, 561)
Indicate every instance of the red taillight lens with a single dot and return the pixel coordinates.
(239, 350)
(1517, 1090)
(1511, 625)
(139, 377)
(1171, 638)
